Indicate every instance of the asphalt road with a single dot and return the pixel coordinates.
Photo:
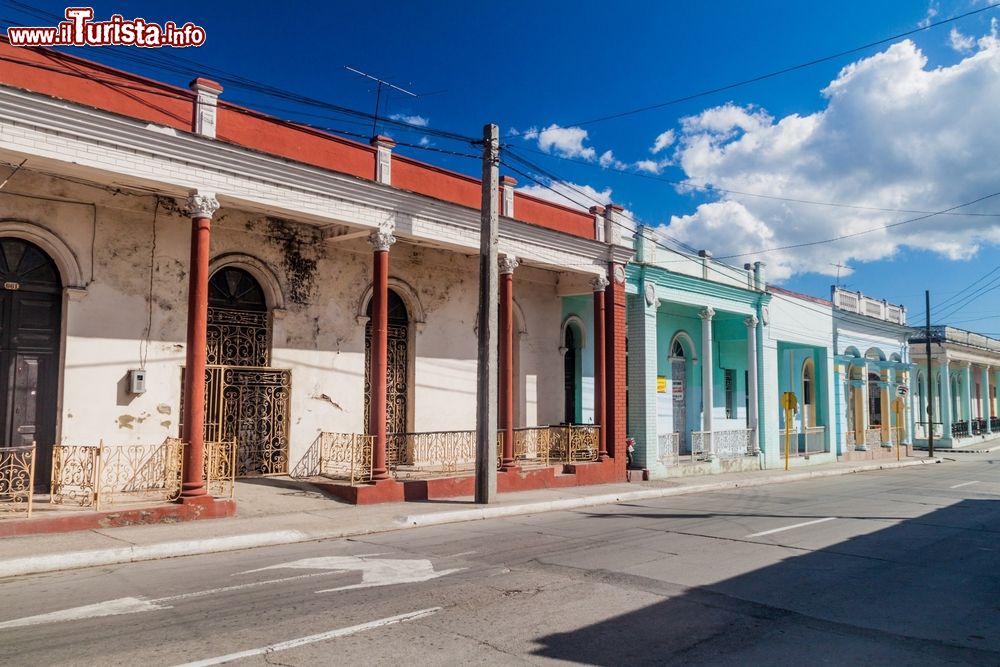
(894, 567)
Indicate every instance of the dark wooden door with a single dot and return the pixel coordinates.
(30, 324)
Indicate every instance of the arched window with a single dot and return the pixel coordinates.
(238, 328)
(397, 364)
(678, 350)
(874, 400)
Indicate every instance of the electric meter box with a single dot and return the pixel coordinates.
(137, 381)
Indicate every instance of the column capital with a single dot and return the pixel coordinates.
(751, 321)
(381, 240)
(707, 314)
(599, 283)
(507, 264)
(202, 204)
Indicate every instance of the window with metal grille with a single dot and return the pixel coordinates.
(730, 380)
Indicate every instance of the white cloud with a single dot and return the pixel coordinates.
(573, 195)
(663, 140)
(608, 159)
(419, 121)
(563, 141)
(650, 166)
(932, 12)
(959, 42)
(894, 134)
(425, 141)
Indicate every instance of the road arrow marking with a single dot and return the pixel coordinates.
(374, 571)
(122, 606)
(109, 608)
(312, 639)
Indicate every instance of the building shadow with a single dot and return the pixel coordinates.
(924, 591)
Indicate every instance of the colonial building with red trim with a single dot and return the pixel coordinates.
(179, 267)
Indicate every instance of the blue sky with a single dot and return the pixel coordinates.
(906, 127)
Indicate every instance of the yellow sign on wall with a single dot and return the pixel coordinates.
(661, 384)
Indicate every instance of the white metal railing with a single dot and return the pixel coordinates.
(668, 448)
(873, 437)
(732, 444)
(814, 439)
(701, 444)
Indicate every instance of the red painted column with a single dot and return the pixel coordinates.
(201, 207)
(381, 241)
(615, 328)
(506, 407)
(600, 283)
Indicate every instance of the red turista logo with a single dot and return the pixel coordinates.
(79, 29)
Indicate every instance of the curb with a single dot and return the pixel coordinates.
(456, 516)
(138, 553)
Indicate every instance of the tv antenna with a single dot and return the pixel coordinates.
(839, 267)
(378, 93)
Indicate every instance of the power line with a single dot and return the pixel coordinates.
(863, 232)
(174, 64)
(884, 327)
(711, 188)
(785, 70)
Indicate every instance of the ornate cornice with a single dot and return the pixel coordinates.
(202, 205)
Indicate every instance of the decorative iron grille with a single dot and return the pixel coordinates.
(74, 475)
(873, 437)
(731, 444)
(17, 478)
(238, 337)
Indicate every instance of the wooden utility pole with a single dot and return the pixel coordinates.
(486, 369)
(930, 378)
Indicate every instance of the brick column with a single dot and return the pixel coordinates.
(599, 284)
(202, 206)
(381, 241)
(506, 403)
(616, 373)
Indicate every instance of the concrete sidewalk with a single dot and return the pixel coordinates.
(284, 511)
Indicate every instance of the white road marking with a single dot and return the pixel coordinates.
(108, 608)
(464, 553)
(374, 571)
(311, 639)
(130, 605)
(797, 525)
(962, 484)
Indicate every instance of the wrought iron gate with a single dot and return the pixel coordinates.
(250, 405)
(396, 384)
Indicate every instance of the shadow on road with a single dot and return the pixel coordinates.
(924, 591)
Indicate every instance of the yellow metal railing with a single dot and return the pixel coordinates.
(17, 478)
(220, 468)
(346, 455)
(89, 475)
(532, 446)
(574, 444)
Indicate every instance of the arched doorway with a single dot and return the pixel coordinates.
(245, 399)
(808, 396)
(397, 364)
(30, 326)
(572, 360)
(678, 386)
